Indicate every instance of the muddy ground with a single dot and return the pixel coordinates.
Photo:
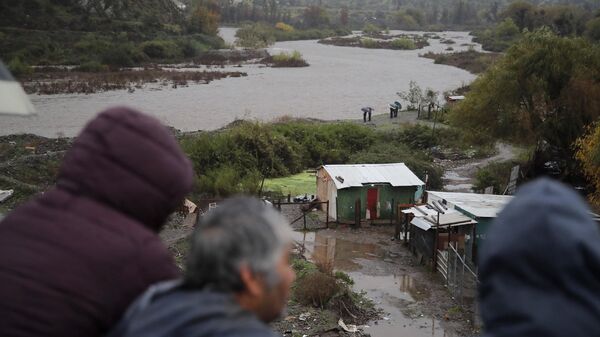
(414, 300)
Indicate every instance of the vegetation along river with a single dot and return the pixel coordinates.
(339, 81)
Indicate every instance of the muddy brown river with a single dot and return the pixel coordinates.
(339, 81)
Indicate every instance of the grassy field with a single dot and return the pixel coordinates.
(301, 183)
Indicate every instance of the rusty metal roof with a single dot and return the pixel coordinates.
(358, 175)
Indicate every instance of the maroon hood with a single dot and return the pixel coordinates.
(130, 162)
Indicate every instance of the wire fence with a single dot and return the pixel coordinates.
(461, 279)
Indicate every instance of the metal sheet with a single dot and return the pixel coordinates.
(345, 176)
(421, 223)
(479, 205)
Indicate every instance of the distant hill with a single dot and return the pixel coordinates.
(87, 15)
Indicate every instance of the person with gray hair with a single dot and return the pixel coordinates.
(237, 278)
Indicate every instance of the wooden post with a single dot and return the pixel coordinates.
(304, 217)
(406, 226)
(435, 242)
(289, 196)
(337, 212)
(357, 214)
(392, 215)
(327, 217)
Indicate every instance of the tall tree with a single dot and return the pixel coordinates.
(544, 91)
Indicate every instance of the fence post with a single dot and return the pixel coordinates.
(357, 213)
(462, 280)
(327, 218)
(304, 217)
(289, 196)
(392, 215)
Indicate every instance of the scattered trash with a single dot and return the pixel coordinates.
(387, 318)
(5, 195)
(304, 316)
(347, 328)
(189, 206)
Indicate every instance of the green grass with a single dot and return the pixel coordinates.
(301, 183)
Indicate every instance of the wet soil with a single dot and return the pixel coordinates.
(414, 300)
(459, 175)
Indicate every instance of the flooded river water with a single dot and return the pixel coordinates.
(339, 81)
(377, 268)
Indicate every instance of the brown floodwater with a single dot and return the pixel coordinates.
(339, 81)
(392, 291)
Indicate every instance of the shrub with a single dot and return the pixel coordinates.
(495, 174)
(92, 67)
(340, 275)
(289, 60)
(404, 44)
(120, 56)
(255, 36)
(160, 49)
(368, 43)
(19, 68)
(371, 29)
(316, 288)
(302, 267)
(284, 27)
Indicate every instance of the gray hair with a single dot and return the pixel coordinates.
(241, 231)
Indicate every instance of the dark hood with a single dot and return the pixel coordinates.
(130, 162)
(540, 266)
(169, 310)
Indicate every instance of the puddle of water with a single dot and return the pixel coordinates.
(393, 293)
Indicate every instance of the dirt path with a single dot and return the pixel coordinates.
(459, 175)
(414, 301)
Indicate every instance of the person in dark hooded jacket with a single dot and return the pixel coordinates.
(72, 259)
(540, 266)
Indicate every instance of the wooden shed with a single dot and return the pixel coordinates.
(379, 187)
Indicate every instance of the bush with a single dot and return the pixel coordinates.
(19, 68)
(371, 29)
(369, 43)
(255, 36)
(340, 275)
(92, 67)
(160, 49)
(316, 288)
(120, 56)
(417, 136)
(404, 44)
(302, 267)
(495, 174)
(288, 60)
(284, 27)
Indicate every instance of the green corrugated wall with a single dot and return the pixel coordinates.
(347, 197)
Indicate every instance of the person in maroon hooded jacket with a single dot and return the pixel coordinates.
(72, 259)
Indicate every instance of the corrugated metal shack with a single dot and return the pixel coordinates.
(433, 226)
(482, 208)
(378, 188)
